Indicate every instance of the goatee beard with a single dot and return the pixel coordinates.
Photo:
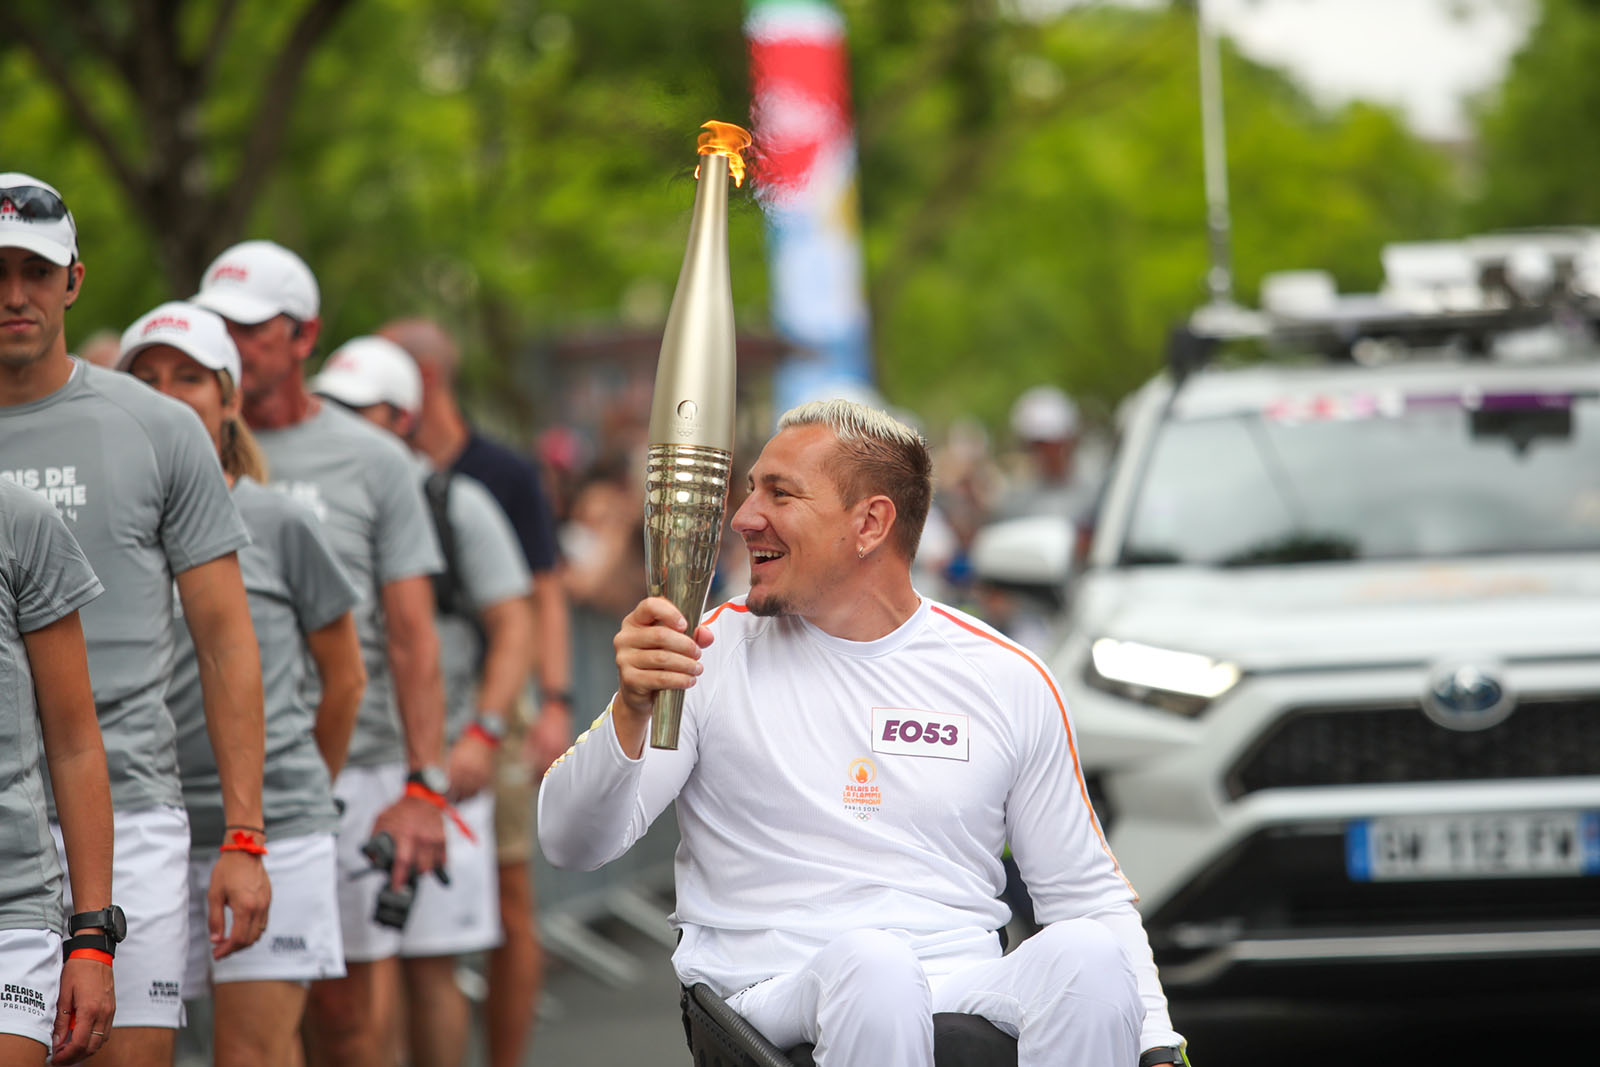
(767, 608)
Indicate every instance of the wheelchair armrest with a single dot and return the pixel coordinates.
(743, 1042)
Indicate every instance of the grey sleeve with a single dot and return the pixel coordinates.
(405, 544)
(493, 567)
(50, 574)
(319, 589)
(199, 522)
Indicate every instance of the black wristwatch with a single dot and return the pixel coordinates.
(434, 779)
(1164, 1054)
(110, 919)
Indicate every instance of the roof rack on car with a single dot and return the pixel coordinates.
(1460, 295)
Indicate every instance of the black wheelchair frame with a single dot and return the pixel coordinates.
(719, 1037)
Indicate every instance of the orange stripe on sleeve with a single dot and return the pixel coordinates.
(1072, 745)
(726, 605)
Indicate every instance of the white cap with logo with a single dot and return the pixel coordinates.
(34, 217)
(256, 280)
(194, 331)
(371, 370)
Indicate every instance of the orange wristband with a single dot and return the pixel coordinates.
(243, 842)
(424, 793)
(477, 730)
(90, 954)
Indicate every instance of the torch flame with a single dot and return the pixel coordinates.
(725, 139)
(861, 774)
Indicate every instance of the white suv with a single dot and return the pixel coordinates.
(1334, 659)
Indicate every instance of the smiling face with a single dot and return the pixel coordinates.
(801, 537)
(34, 298)
(177, 374)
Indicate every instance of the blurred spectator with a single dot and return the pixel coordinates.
(966, 482)
(103, 348)
(602, 548)
(1045, 422)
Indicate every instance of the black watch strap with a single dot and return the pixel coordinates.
(110, 919)
(99, 942)
(1164, 1054)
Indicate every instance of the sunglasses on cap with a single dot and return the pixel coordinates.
(32, 202)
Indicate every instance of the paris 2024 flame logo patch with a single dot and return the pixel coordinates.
(861, 796)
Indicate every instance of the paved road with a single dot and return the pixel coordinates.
(589, 1023)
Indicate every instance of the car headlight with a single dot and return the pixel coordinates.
(1182, 682)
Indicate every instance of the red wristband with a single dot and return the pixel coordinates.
(477, 730)
(243, 842)
(90, 954)
(422, 792)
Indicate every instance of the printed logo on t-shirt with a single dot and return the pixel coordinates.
(165, 992)
(59, 485)
(23, 998)
(913, 732)
(307, 493)
(861, 796)
(288, 943)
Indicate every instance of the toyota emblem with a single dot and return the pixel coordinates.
(1467, 696)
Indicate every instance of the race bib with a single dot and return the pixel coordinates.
(910, 732)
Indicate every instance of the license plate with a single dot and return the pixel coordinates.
(1412, 848)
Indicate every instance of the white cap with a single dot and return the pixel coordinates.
(371, 370)
(1044, 413)
(54, 239)
(255, 280)
(192, 330)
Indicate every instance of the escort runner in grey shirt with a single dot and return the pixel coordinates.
(138, 481)
(491, 568)
(361, 484)
(44, 577)
(296, 586)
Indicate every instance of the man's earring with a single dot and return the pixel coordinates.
(861, 553)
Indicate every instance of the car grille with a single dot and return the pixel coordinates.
(1293, 881)
(1545, 737)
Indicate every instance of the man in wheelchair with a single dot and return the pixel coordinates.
(852, 759)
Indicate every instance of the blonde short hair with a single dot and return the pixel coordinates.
(878, 454)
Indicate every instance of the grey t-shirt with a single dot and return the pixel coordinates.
(44, 577)
(492, 568)
(295, 586)
(136, 477)
(360, 482)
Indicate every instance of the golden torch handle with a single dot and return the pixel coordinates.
(686, 494)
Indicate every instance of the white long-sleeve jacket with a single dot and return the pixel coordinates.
(825, 785)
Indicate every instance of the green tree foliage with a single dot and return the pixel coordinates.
(1035, 211)
(1540, 133)
(1031, 190)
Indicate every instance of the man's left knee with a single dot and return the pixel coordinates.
(1084, 954)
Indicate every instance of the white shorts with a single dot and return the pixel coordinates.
(150, 881)
(301, 942)
(30, 981)
(464, 916)
(365, 792)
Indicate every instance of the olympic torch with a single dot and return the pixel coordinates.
(691, 414)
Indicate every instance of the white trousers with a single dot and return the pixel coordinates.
(1067, 994)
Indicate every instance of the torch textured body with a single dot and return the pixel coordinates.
(691, 427)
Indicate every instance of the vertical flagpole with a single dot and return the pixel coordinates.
(1214, 138)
